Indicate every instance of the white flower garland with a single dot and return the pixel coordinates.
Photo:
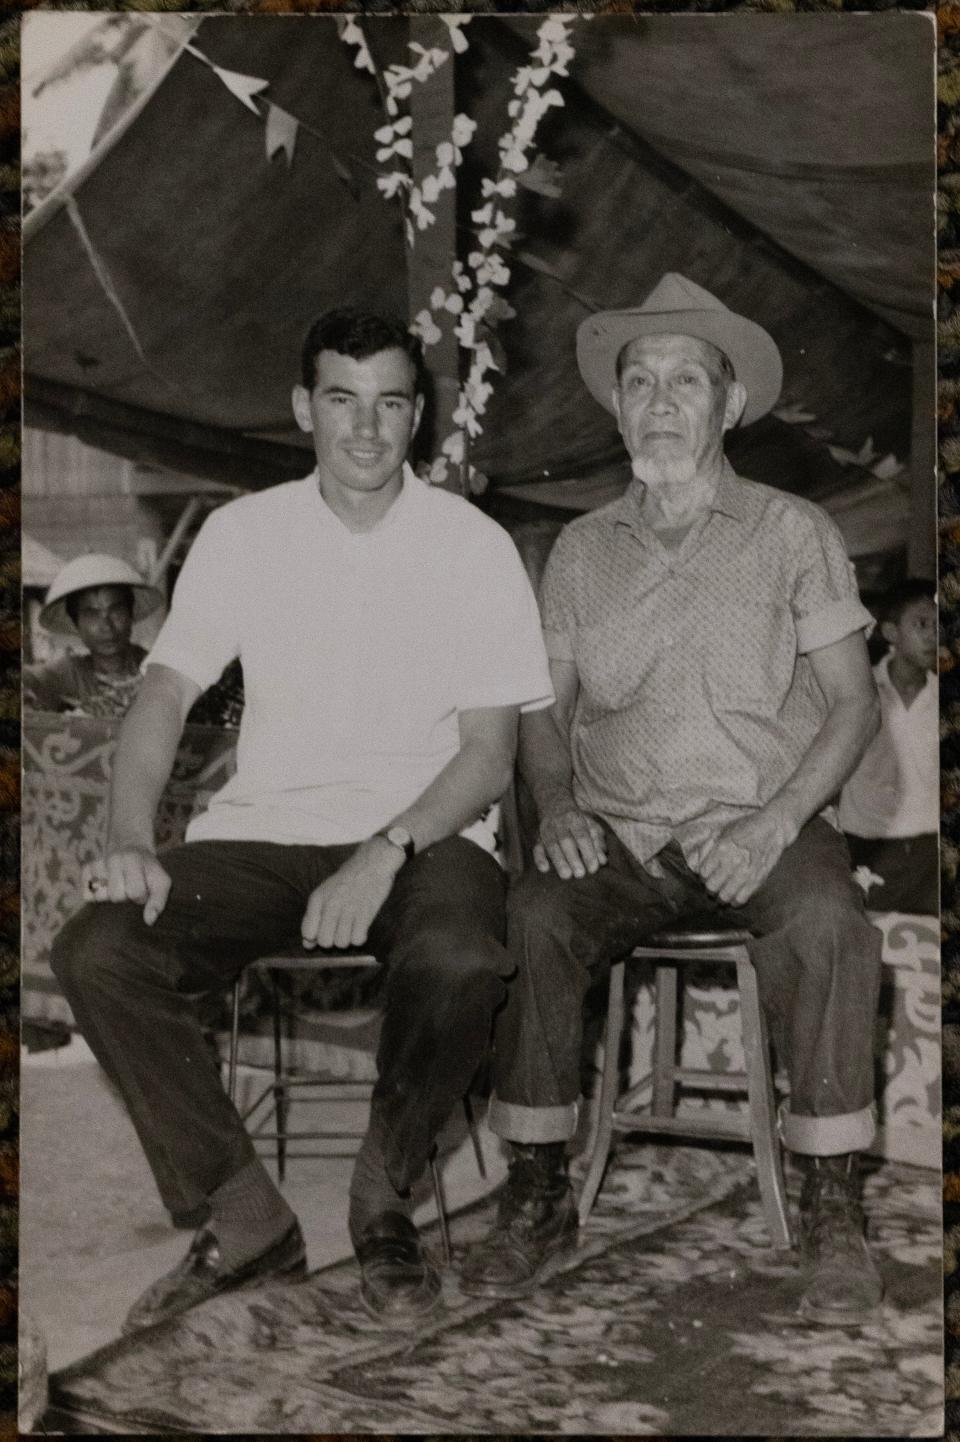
(352, 34)
(472, 296)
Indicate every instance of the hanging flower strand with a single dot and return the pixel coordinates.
(352, 34)
(398, 82)
(474, 296)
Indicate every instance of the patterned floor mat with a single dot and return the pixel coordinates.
(673, 1317)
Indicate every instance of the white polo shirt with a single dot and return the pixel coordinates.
(895, 790)
(358, 652)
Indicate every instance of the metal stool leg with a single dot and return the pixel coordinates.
(234, 1043)
(763, 1111)
(441, 1209)
(609, 1090)
(472, 1127)
(664, 1041)
(279, 1087)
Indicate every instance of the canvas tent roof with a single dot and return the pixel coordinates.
(782, 161)
(38, 564)
(823, 143)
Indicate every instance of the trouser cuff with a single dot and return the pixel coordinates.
(515, 1123)
(828, 1136)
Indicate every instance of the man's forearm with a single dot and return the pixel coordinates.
(470, 781)
(544, 759)
(144, 757)
(850, 726)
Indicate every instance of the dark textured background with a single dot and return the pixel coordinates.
(948, 20)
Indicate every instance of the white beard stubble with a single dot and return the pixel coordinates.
(662, 471)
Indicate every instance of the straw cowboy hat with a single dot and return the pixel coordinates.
(94, 570)
(678, 306)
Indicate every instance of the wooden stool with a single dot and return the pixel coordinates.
(626, 1112)
(339, 1142)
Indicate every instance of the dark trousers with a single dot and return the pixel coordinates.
(816, 955)
(134, 990)
(908, 867)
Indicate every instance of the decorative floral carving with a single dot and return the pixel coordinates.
(65, 785)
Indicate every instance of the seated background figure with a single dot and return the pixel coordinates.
(98, 598)
(222, 703)
(890, 807)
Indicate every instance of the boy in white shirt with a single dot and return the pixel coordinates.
(890, 807)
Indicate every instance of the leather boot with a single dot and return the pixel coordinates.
(536, 1219)
(841, 1284)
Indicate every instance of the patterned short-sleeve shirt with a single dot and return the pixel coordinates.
(697, 699)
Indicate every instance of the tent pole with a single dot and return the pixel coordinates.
(159, 568)
(922, 541)
(430, 258)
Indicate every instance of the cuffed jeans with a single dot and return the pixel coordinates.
(816, 955)
(134, 991)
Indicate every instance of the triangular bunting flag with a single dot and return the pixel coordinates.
(281, 132)
(242, 86)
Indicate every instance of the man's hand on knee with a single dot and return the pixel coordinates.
(340, 911)
(130, 874)
(571, 842)
(735, 862)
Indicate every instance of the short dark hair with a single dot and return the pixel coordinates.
(899, 597)
(71, 603)
(727, 373)
(357, 333)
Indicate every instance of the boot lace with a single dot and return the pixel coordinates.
(833, 1215)
(533, 1186)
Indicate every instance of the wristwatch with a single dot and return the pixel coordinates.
(400, 837)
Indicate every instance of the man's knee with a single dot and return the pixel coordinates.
(449, 951)
(89, 950)
(536, 905)
(830, 935)
(831, 910)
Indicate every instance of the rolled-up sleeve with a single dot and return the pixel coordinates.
(201, 633)
(825, 600)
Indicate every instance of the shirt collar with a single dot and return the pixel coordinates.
(730, 499)
(732, 496)
(881, 672)
(399, 510)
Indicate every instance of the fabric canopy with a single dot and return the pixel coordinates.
(786, 162)
(818, 130)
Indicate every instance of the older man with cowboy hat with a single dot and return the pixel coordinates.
(708, 656)
(97, 598)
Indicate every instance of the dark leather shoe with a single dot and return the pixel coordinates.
(399, 1282)
(536, 1222)
(202, 1275)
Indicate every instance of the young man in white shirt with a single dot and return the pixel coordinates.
(389, 638)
